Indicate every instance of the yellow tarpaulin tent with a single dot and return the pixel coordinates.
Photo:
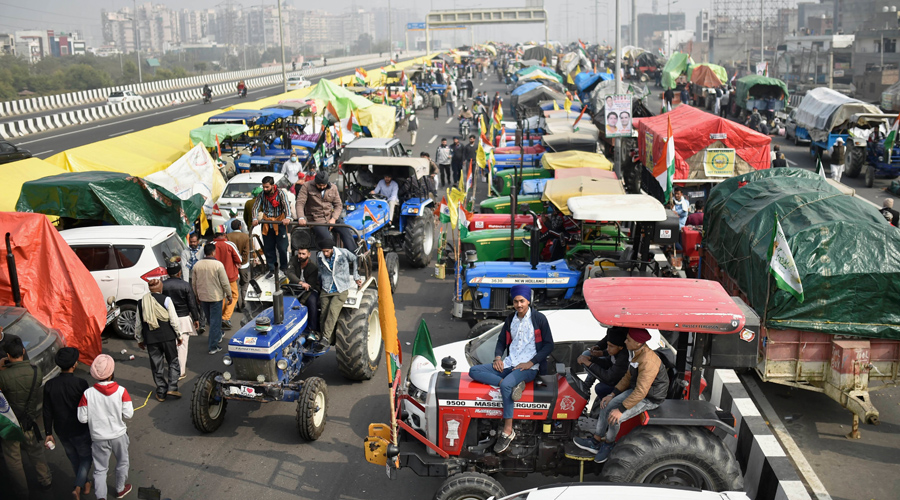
(558, 191)
(575, 159)
(19, 172)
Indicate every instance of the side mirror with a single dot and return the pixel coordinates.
(409, 152)
(523, 208)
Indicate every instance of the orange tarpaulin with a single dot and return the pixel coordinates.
(56, 287)
(704, 76)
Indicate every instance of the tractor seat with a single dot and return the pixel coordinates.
(675, 387)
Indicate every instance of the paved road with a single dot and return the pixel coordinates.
(47, 144)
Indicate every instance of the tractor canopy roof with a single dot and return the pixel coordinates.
(398, 168)
(560, 191)
(622, 207)
(245, 116)
(684, 305)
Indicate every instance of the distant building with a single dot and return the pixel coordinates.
(7, 44)
(806, 10)
(650, 24)
(875, 54)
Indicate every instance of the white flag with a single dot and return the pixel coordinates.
(782, 265)
(820, 169)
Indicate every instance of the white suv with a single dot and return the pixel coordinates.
(123, 259)
(236, 193)
(121, 96)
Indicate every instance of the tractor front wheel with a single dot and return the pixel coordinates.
(689, 457)
(870, 175)
(469, 486)
(482, 327)
(358, 339)
(418, 242)
(207, 414)
(312, 408)
(856, 158)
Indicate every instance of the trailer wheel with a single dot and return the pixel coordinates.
(312, 409)
(418, 242)
(676, 456)
(870, 175)
(469, 486)
(207, 414)
(358, 339)
(856, 158)
(482, 327)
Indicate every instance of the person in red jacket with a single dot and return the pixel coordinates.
(227, 253)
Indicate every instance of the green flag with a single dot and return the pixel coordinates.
(10, 430)
(891, 138)
(422, 344)
(820, 169)
(782, 265)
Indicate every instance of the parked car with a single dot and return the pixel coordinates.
(9, 152)
(790, 129)
(123, 259)
(297, 82)
(373, 146)
(236, 193)
(41, 342)
(307, 65)
(577, 491)
(121, 96)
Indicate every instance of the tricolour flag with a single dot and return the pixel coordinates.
(820, 169)
(782, 265)
(10, 430)
(664, 169)
(404, 81)
(353, 123)
(498, 114)
(891, 138)
(368, 216)
(463, 221)
(361, 76)
(575, 124)
(445, 211)
(388, 319)
(331, 115)
(422, 344)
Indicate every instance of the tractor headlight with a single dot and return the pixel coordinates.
(227, 360)
(413, 210)
(226, 375)
(260, 378)
(416, 393)
(282, 364)
(351, 208)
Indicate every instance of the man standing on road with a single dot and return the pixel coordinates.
(838, 152)
(211, 286)
(643, 388)
(669, 96)
(681, 205)
(320, 202)
(227, 254)
(191, 255)
(685, 96)
(272, 205)
(450, 94)
(444, 159)
(305, 273)
(436, 104)
(725, 102)
(471, 154)
(61, 397)
(335, 273)
(104, 407)
(412, 126)
(527, 340)
(241, 241)
(157, 330)
(186, 308)
(20, 383)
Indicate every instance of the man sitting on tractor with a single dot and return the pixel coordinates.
(338, 271)
(527, 340)
(606, 363)
(320, 202)
(642, 388)
(388, 188)
(305, 273)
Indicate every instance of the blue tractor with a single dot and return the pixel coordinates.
(412, 230)
(871, 151)
(265, 358)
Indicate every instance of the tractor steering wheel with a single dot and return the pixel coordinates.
(293, 288)
(377, 196)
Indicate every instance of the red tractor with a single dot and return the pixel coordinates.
(679, 443)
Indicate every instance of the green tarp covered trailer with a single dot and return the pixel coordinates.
(847, 255)
(111, 197)
(675, 67)
(762, 92)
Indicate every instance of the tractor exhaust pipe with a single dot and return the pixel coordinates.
(13, 275)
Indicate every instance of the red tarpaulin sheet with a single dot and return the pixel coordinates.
(56, 287)
(694, 131)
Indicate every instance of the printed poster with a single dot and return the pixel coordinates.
(618, 115)
(719, 162)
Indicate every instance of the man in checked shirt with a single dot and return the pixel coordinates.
(272, 205)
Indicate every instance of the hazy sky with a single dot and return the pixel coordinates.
(569, 19)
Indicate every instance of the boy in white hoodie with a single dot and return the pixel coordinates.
(103, 407)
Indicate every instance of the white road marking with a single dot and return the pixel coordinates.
(432, 138)
(181, 117)
(789, 162)
(122, 132)
(44, 152)
(449, 120)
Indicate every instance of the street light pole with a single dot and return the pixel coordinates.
(137, 44)
(669, 28)
(390, 31)
(618, 148)
(281, 36)
(762, 32)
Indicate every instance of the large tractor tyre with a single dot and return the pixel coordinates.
(856, 158)
(358, 339)
(675, 456)
(482, 327)
(392, 261)
(206, 413)
(469, 486)
(870, 175)
(124, 322)
(312, 409)
(418, 242)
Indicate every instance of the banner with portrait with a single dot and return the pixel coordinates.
(617, 110)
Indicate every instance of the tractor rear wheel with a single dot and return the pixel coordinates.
(856, 158)
(358, 339)
(482, 327)
(469, 486)
(392, 261)
(312, 408)
(207, 414)
(418, 242)
(676, 456)
(870, 175)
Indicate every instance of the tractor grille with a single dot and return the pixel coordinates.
(499, 298)
(249, 369)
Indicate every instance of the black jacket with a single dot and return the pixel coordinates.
(543, 339)
(299, 274)
(183, 297)
(61, 397)
(458, 153)
(610, 372)
(471, 152)
(164, 333)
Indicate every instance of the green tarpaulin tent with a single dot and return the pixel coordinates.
(207, 134)
(767, 86)
(847, 255)
(676, 65)
(111, 197)
(342, 99)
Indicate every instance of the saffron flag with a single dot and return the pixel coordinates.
(555, 106)
(422, 344)
(782, 265)
(388, 319)
(664, 169)
(575, 124)
(891, 138)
